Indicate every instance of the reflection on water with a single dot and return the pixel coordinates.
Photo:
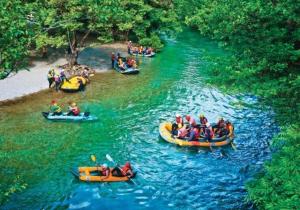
(130, 109)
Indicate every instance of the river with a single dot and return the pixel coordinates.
(40, 153)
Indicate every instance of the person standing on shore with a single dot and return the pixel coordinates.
(57, 82)
(113, 59)
(50, 76)
(129, 46)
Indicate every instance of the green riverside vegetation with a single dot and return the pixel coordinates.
(263, 38)
(37, 25)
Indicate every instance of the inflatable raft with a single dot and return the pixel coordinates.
(64, 117)
(143, 55)
(74, 84)
(127, 71)
(165, 132)
(92, 174)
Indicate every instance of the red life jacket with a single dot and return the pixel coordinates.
(126, 168)
(209, 132)
(75, 111)
(203, 120)
(179, 120)
(197, 133)
(220, 123)
(183, 132)
(192, 122)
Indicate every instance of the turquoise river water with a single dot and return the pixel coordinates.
(39, 153)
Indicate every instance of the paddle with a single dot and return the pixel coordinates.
(93, 158)
(108, 157)
(233, 146)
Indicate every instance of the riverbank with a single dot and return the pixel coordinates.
(28, 82)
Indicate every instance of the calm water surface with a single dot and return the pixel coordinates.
(130, 109)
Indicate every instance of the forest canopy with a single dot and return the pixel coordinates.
(34, 25)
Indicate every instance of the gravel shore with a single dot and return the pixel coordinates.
(28, 82)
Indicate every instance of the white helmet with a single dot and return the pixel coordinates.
(105, 165)
(177, 115)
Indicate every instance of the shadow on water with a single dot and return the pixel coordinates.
(130, 109)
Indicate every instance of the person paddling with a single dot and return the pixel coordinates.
(183, 132)
(191, 121)
(126, 170)
(230, 128)
(55, 109)
(208, 133)
(194, 134)
(73, 110)
(178, 123)
(203, 120)
(104, 171)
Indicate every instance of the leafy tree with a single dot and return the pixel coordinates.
(70, 22)
(15, 35)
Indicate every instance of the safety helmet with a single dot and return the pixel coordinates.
(201, 115)
(73, 104)
(177, 115)
(104, 165)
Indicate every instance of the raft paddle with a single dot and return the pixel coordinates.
(93, 157)
(108, 157)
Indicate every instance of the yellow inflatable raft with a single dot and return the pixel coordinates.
(74, 84)
(91, 174)
(165, 129)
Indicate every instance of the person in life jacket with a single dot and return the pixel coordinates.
(121, 64)
(130, 62)
(178, 123)
(141, 49)
(50, 76)
(191, 121)
(230, 128)
(63, 76)
(129, 46)
(194, 134)
(203, 120)
(149, 51)
(223, 131)
(113, 58)
(74, 110)
(219, 125)
(183, 132)
(135, 50)
(208, 133)
(55, 109)
(104, 171)
(57, 82)
(126, 170)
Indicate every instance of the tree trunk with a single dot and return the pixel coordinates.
(74, 51)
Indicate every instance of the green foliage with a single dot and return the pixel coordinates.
(60, 23)
(263, 38)
(278, 187)
(15, 35)
(153, 41)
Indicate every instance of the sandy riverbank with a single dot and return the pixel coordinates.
(27, 82)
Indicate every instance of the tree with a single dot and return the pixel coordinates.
(15, 35)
